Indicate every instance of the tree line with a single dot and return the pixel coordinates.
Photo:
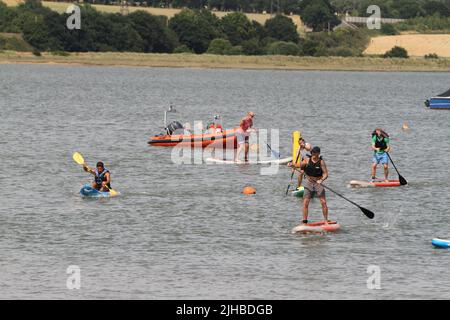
(190, 30)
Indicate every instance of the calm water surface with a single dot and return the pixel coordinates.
(185, 231)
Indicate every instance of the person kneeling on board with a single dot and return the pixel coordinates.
(102, 180)
(380, 145)
(303, 146)
(315, 172)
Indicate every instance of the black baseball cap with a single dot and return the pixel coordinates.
(315, 150)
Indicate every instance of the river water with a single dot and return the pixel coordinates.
(186, 231)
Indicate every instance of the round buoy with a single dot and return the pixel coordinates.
(249, 190)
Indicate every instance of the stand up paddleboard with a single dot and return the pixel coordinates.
(374, 184)
(88, 191)
(272, 161)
(317, 227)
(440, 243)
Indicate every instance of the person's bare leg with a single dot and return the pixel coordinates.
(238, 152)
(305, 208)
(246, 152)
(300, 179)
(374, 170)
(386, 172)
(323, 202)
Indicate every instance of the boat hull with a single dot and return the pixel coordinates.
(439, 103)
(226, 139)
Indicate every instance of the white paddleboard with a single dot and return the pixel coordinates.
(271, 161)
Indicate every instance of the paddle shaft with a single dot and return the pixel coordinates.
(277, 154)
(369, 214)
(340, 195)
(402, 180)
(293, 171)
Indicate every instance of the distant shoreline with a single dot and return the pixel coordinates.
(229, 62)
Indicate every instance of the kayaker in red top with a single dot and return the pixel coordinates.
(242, 134)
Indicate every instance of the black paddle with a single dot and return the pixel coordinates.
(369, 214)
(402, 180)
(275, 153)
(293, 170)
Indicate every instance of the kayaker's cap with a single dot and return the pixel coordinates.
(315, 150)
(100, 164)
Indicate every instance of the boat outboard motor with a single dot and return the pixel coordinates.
(174, 125)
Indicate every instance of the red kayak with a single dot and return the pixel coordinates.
(225, 139)
(379, 184)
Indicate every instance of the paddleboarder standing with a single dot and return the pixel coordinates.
(316, 172)
(242, 134)
(380, 147)
(303, 145)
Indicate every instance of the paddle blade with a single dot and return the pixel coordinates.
(113, 192)
(78, 158)
(403, 181)
(369, 214)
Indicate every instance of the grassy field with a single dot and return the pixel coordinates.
(62, 6)
(230, 62)
(416, 44)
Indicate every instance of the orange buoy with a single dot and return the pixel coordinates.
(249, 190)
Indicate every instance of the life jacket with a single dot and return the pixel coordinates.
(216, 128)
(100, 177)
(380, 143)
(314, 169)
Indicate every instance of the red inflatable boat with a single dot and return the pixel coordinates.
(225, 139)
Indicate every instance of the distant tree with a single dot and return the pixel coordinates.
(252, 47)
(281, 28)
(283, 48)
(237, 27)
(196, 29)
(436, 7)
(182, 49)
(318, 15)
(407, 8)
(153, 32)
(388, 29)
(219, 46)
(396, 52)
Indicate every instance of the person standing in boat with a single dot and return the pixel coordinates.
(303, 145)
(380, 145)
(316, 172)
(242, 134)
(102, 177)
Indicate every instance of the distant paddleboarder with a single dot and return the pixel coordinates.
(242, 134)
(303, 146)
(380, 145)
